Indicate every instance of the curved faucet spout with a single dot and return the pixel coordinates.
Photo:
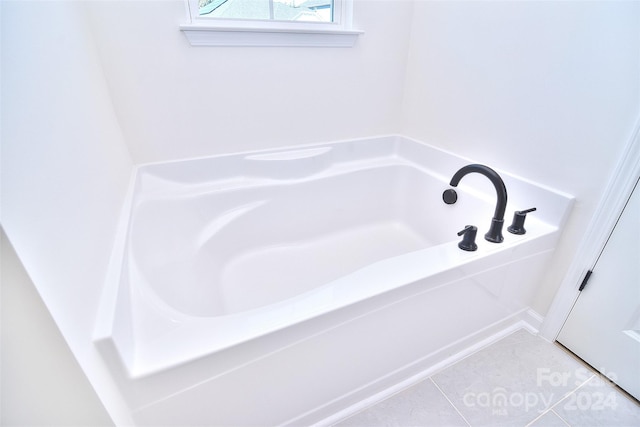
(501, 189)
(495, 232)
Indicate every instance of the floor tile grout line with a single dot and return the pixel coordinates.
(537, 418)
(450, 402)
(597, 373)
(562, 399)
(561, 417)
(549, 409)
(530, 423)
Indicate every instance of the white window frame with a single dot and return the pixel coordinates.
(211, 31)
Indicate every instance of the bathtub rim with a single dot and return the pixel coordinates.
(105, 327)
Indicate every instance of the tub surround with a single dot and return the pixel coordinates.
(377, 255)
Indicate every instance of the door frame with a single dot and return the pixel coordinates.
(606, 216)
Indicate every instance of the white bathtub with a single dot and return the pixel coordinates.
(216, 253)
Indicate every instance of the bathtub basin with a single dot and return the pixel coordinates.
(216, 252)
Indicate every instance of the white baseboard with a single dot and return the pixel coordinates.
(412, 374)
(531, 321)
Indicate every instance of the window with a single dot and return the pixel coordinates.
(279, 10)
(270, 23)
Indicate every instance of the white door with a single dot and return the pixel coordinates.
(603, 327)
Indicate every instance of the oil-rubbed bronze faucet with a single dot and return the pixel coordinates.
(450, 196)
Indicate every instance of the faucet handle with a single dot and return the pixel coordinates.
(517, 226)
(468, 242)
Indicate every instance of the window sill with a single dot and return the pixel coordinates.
(207, 35)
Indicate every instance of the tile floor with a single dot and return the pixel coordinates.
(520, 380)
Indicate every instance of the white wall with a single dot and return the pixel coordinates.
(65, 166)
(547, 90)
(175, 101)
(42, 384)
